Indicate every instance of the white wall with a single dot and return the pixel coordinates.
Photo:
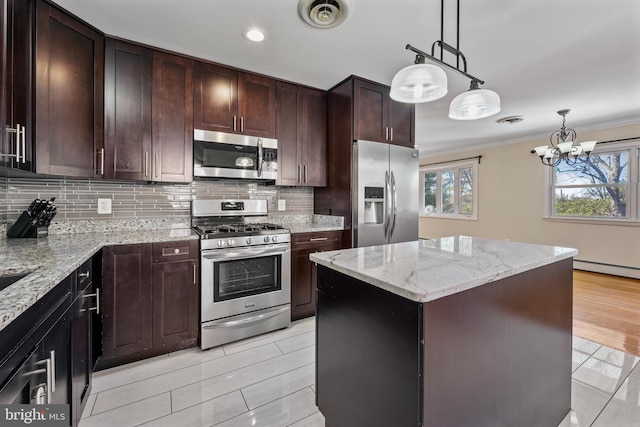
(511, 206)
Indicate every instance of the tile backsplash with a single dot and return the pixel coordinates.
(78, 198)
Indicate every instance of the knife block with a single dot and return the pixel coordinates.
(24, 227)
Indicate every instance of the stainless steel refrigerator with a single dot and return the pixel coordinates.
(385, 193)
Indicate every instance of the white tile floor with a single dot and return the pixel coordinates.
(269, 381)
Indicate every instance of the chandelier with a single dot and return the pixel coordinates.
(563, 146)
(423, 82)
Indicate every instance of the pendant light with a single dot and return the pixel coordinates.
(474, 104)
(422, 83)
(419, 83)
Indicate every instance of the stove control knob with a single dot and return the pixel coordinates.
(220, 242)
(231, 242)
(249, 240)
(274, 239)
(266, 239)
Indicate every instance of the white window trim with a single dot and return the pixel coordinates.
(448, 166)
(633, 198)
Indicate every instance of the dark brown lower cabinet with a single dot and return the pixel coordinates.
(126, 319)
(150, 300)
(303, 271)
(175, 304)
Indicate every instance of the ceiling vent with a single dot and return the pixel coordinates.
(323, 13)
(510, 120)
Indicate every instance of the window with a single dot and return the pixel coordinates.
(449, 190)
(602, 187)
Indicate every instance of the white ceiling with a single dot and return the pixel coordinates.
(539, 56)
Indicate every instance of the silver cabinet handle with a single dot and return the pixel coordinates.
(97, 295)
(52, 360)
(241, 124)
(391, 134)
(155, 163)
(17, 131)
(84, 275)
(259, 157)
(24, 144)
(101, 162)
(146, 163)
(305, 174)
(299, 173)
(234, 123)
(47, 364)
(318, 239)
(195, 280)
(386, 133)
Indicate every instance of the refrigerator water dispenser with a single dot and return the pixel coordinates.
(373, 205)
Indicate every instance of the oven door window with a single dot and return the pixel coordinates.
(246, 277)
(226, 156)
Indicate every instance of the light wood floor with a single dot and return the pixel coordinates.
(606, 309)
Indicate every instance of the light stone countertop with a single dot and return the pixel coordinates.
(53, 258)
(426, 270)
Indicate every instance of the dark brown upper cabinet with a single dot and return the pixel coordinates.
(128, 83)
(227, 100)
(69, 73)
(172, 135)
(379, 118)
(301, 129)
(148, 114)
(16, 124)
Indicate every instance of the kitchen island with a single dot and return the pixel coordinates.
(456, 331)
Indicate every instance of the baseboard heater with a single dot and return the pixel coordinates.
(604, 268)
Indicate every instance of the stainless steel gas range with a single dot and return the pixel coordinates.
(245, 271)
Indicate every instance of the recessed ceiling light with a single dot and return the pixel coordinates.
(254, 35)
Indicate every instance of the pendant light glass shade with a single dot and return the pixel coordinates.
(474, 104)
(419, 83)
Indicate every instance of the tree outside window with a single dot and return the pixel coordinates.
(597, 187)
(450, 190)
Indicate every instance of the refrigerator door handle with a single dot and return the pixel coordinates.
(387, 204)
(394, 209)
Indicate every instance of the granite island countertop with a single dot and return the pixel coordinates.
(49, 260)
(426, 270)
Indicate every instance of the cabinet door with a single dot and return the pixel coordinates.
(68, 95)
(172, 138)
(81, 350)
(402, 123)
(175, 304)
(303, 298)
(314, 137)
(370, 115)
(127, 102)
(17, 124)
(215, 98)
(289, 134)
(127, 302)
(256, 105)
(56, 347)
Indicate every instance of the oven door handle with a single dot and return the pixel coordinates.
(247, 320)
(239, 253)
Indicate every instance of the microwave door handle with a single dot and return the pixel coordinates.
(259, 157)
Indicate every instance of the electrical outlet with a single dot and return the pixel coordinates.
(282, 205)
(104, 206)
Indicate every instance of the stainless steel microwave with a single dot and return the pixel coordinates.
(230, 155)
